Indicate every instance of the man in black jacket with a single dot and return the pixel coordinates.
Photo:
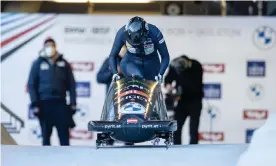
(188, 75)
(104, 75)
(50, 79)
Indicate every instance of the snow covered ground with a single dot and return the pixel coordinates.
(261, 152)
(186, 155)
(262, 149)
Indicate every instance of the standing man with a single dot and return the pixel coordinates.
(188, 75)
(50, 79)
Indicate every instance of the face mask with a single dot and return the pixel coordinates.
(49, 51)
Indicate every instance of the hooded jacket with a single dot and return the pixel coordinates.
(51, 80)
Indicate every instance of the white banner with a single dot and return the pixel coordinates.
(238, 56)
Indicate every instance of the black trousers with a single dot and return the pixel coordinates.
(182, 111)
(55, 114)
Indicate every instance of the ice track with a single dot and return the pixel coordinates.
(261, 152)
(185, 155)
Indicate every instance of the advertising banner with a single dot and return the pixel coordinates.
(237, 55)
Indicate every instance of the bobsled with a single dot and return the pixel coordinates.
(134, 111)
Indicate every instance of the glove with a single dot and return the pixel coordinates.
(159, 78)
(116, 77)
(73, 109)
(36, 111)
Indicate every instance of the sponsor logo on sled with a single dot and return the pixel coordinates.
(212, 91)
(132, 121)
(249, 134)
(213, 68)
(82, 66)
(133, 108)
(255, 114)
(255, 92)
(211, 136)
(83, 89)
(81, 134)
(255, 68)
(137, 92)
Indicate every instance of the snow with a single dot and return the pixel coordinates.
(185, 155)
(262, 149)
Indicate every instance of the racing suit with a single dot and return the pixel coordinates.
(143, 61)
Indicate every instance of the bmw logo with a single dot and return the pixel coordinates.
(35, 134)
(255, 92)
(213, 112)
(264, 37)
(210, 113)
(82, 111)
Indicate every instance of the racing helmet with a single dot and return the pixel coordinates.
(136, 31)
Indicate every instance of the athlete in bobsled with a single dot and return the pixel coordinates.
(134, 110)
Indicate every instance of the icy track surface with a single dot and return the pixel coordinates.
(185, 155)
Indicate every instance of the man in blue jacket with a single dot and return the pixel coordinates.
(50, 79)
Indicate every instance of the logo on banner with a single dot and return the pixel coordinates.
(255, 92)
(211, 136)
(264, 37)
(82, 111)
(100, 30)
(81, 134)
(82, 66)
(213, 112)
(249, 134)
(255, 68)
(255, 114)
(213, 68)
(212, 91)
(35, 134)
(74, 30)
(83, 89)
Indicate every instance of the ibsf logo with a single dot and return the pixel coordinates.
(211, 136)
(264, 37)
(212, 91)
(100, 30)
(255, 114)
(255, 92)
(255, 68)
(213, 68)
(82, 66)
(249, 134)
(78, 134)
(83, 89)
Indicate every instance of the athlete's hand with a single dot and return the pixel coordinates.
(116, 77)
(159, 78)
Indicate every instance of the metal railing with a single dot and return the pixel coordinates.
(15, 123)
